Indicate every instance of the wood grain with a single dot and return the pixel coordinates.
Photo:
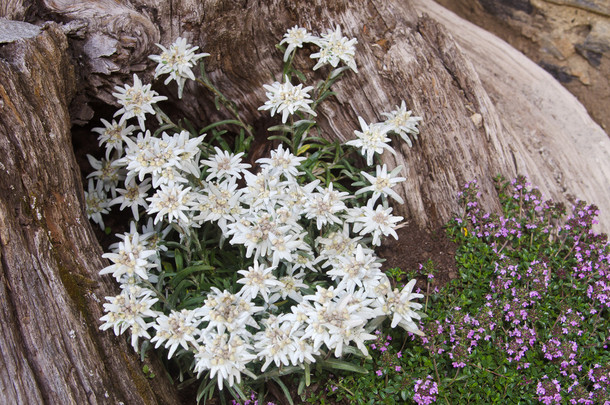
(50, 290)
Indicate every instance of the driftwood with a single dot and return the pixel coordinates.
(401, 56)
(554, 140)
(531, 126)
(51, 292)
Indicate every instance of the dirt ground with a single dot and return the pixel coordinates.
(416, 246)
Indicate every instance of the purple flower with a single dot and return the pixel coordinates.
(425, 391)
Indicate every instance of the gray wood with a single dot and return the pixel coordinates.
(52, 297)
(50, 290)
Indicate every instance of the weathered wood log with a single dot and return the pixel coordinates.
(568, 38)
(49, 256)
(50, 290)
(401, 56)
(554, 140)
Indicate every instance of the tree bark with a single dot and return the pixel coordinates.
(401, 55)
(51, 293)
(52, 350)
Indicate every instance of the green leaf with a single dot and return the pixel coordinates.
(278, 372)
(284, 389)
(281, 128)
(307, 375)
(184, 273)
(338, 71)
(325, 95)
(192, 302)
(178, 259)
(236, 392)
(143, 349)
(303, 149)
(300, 75)
(219, 123)
(355, 351)
(336, 364)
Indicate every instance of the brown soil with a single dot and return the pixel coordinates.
(417, 246)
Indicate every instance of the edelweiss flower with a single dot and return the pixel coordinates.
(287, 99)
(134, 196)
(383, 183)
(228, 312)
(113, 135)
(284, 247)
(176, 329)
(376, 222)
(177, 62)
(399, 305)
(127, 311)
(189, 156)
(106, 172)
(334, 47)
(402, 123)
(359, 269)
(96, 201)
(295, 37)
(275, 343)
(324, 205)
(290, 286)
(225, 164)
(254, 233)
(283, 162)
(136, 159)
(129, 258)
(258, 280)
(262, 190)
(225, 355)
(220, 203)
(372, 139)
(136, 101)
(171, 201)
(335, 322)
(337, 244)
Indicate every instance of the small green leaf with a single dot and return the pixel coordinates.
(184, 273)
(178, 259)
(284, 389)
(303, 149)
(335, 364)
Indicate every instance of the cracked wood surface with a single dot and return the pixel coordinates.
(50, 290)
(475, 126)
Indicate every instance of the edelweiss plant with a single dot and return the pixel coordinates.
(237, 270)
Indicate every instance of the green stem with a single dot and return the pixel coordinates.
(573, 245)
(227, 103)
(322, 90)
(345, 388)
(158, 293)
(427, 295)
(438, 379)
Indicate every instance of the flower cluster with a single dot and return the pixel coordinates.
(513, 324)
(526, 321)
(177, 61)
(426, 391)
(335, 48)
(304, 280)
